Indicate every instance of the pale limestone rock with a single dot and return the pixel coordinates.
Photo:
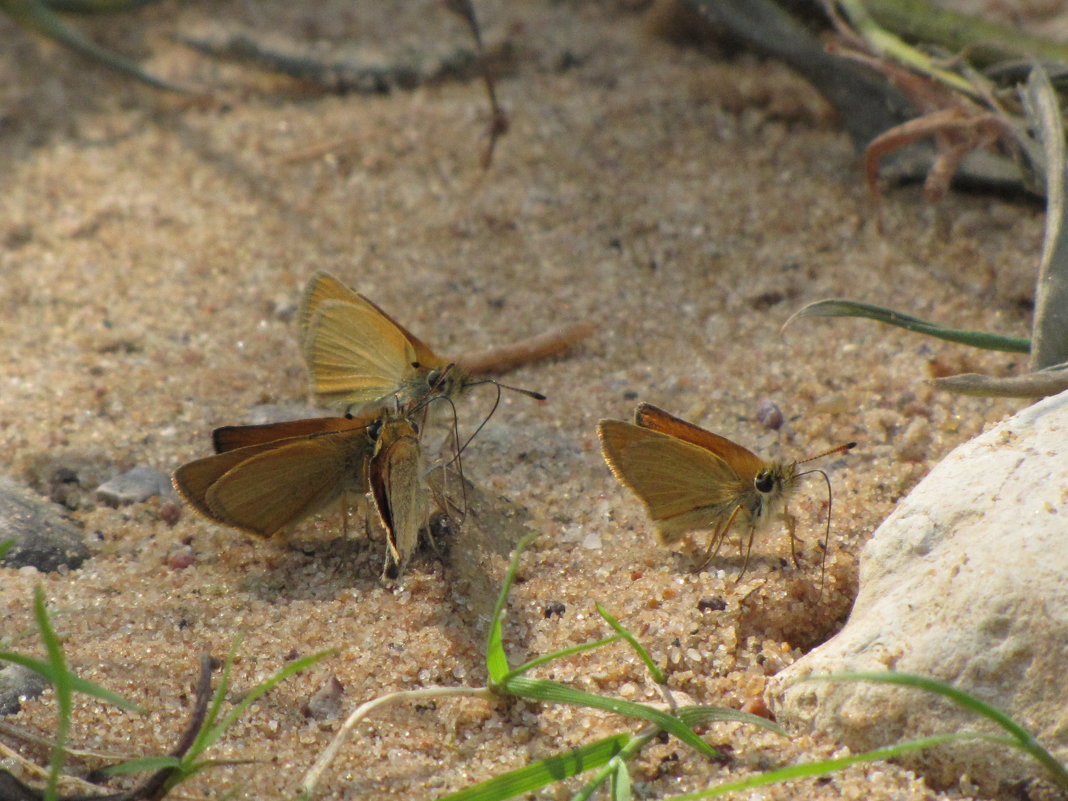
(966, 582)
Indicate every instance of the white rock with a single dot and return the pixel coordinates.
(966, 582)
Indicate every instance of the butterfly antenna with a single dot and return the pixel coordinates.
(827, 531)
(486, 419)
(840, 449)
(528, 392)
(459, 464)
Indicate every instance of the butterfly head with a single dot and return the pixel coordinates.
(771, 484)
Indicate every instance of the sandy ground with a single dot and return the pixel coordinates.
(153, 251)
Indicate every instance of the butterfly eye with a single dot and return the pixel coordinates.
(415, 427)
(432, 378)
(764, 481)
(374, 431)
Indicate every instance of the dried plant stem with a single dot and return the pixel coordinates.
(362, 711)
(542, 346)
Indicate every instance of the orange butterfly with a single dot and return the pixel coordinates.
(691, 479)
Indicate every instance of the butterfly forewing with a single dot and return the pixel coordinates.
(229, 438)
(355, 355)
(744, 462)
(322, 287)
(684, 486)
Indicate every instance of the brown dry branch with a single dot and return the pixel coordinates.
(507, 357)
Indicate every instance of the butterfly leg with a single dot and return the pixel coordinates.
(393, 565)
(791, 526)
(344, 514)
(748, 550)
(717, 540)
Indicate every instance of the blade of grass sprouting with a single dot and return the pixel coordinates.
(1050, 327)
(691, 716)
(36, 16)
(61, 683)
(143, 764)
(885, 43)
(822, 768)
(213, 733)
(543, 772)
(78, 685)
(840, 307)
(628, 751)
(200, 742)
(657, 673)
(6, 546)
(96, 6)
(1022, 738)
(571, 651)
(620, 780)
(699, 715)
(543, 690)
(1032, 385)
(496, 659)
(921, 20)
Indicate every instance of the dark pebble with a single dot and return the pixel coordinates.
(43, 537)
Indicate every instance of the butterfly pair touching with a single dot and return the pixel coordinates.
(266, 478)
(690, 479)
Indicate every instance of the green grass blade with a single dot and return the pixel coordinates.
(813, 769)
(620, 780)
(143, 764)
(200, 742)
(61, 683)
(95, 690)
(216, 731)
(543, 772)
(36, 16)
(1021, 738)
(496, 659)
(1050, 381)
(839, 307)
(699, 715)
(96, 6)
(627, 752)
(45, 671)
(1049, 329)
(42, 669)
(6, 546)
(574, 649)
(543, 690)
(657, 673)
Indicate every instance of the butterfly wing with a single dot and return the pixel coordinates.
(398, 489)
(744, 462)
(322, 287)
(230, 438)
(355, 355)
(193, 480)
(264, 488)
(684, 487)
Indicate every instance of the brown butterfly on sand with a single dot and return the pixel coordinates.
(693, 480)
(267, 478)
(358, 355)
